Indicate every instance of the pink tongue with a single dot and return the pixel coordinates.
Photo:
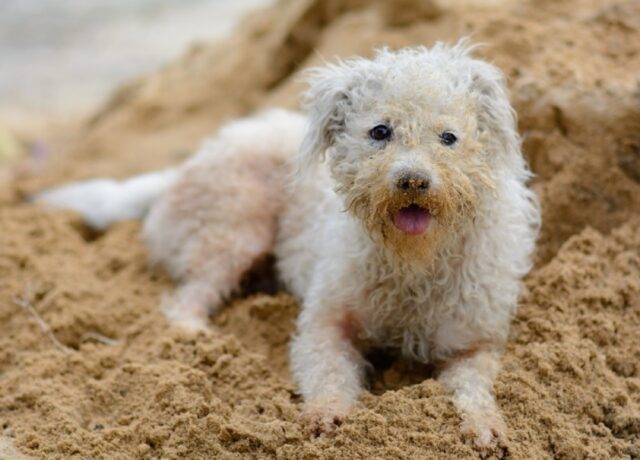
(412, 220)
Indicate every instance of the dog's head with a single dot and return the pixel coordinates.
(415, 139)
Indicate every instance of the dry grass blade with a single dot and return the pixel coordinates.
(26, 305)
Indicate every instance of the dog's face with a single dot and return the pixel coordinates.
(415, 140)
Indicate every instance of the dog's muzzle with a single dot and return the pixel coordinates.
(412, 219)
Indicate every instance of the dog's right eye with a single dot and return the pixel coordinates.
(380, 133)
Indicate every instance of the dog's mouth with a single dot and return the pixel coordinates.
(412, 219)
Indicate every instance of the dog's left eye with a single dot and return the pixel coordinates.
(380, 133)
(448, 138)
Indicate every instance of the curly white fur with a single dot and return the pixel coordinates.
(443, 294)
(446, 296)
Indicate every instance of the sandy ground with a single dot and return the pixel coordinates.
(122, 384)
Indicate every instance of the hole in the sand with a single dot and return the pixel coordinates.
(87, 233)
(390, 371)
(261, 278)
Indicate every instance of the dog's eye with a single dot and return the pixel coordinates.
(448, 138)
(380, 133)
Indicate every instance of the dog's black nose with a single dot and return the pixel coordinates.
(411, 181)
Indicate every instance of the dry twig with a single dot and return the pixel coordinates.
(24, 303)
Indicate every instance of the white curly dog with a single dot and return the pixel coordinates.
(403, 221)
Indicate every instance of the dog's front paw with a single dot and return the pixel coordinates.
(318, 421)
(487, 432)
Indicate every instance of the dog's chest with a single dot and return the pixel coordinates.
(401, 310)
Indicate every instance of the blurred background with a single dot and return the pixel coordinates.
(65, 57)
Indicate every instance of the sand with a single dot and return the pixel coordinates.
(122, 384)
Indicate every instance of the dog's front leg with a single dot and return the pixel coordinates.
(327, 367)
(469, 376)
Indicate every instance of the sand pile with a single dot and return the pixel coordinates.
(121, 384)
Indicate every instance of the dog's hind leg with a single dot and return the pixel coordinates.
(216, 264)
(210, 228)
(221, 214)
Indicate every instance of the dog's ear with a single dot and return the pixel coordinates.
(326, 102)
(496, 117)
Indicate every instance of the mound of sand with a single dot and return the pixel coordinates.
(121, 384)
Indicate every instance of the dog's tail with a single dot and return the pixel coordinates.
(104, 201)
